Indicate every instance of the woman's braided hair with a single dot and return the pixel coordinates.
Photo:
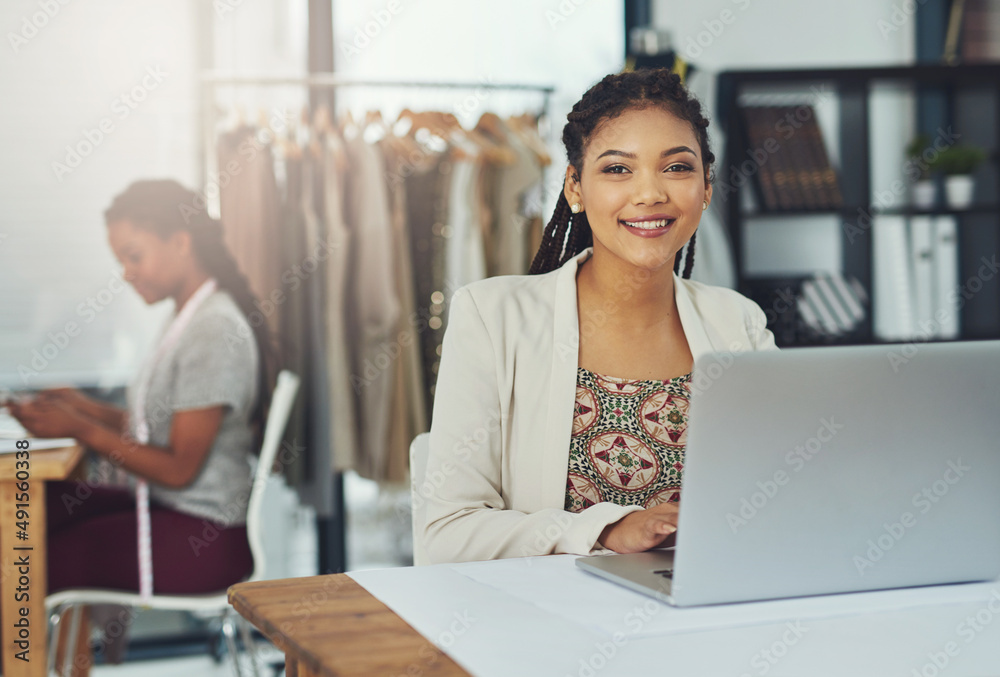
(164, 207)
(568, 234)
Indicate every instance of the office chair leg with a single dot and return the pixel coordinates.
(69, 652)
(248, 644)
(55, 627)
(229, 632)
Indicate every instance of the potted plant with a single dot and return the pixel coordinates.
(923, 187)
(957, 164)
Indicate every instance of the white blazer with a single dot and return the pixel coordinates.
(503, 412)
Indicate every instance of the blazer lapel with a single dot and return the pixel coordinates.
(562, 392)
(691, 320)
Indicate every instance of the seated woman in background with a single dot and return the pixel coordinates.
(561, 404)
(196, 410)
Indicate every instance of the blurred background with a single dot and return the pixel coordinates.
(369, 157)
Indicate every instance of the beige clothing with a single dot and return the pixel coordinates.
(373, 306)
(503, 414)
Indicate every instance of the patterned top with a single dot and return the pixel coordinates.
(628, 440)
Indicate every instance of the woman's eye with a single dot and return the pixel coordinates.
(680, 167)
(615, 169)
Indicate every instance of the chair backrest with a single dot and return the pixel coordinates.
(419, 450)
(281, 407)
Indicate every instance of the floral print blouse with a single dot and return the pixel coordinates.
(627, 445)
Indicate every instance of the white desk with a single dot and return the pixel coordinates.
(542, 616)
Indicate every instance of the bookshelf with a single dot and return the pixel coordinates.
(969, 97)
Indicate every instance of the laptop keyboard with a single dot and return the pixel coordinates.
(666, 573)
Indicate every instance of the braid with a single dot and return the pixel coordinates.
(689, 264)
(550, 251)
(215, 258)
(690, 258)
(605, 101)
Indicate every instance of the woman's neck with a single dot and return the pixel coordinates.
(187, 290)
(635, 298)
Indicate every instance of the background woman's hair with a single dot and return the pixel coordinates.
(165, 207)
(568, 234)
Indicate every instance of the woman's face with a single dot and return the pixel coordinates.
(642, 186)
(150, 264)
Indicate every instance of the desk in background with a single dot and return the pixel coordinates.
(44, 465)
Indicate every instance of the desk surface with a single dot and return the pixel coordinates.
(331, 626)
(43, 464)
(497, 619)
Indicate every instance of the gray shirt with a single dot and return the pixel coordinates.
(214, 361)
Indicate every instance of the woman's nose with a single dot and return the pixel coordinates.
(649, 190)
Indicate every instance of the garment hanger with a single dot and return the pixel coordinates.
(526, 129)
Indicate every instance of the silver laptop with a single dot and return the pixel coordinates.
(826, 470)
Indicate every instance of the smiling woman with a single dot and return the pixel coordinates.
(588, 360)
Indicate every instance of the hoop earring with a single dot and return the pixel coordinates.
(704, 205)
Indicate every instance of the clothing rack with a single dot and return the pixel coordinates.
(329, 81)
(331, 529)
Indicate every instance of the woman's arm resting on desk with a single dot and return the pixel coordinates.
(192, 433)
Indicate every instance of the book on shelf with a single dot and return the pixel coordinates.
(793, 169)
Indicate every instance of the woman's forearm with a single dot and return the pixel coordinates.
(107, 414)
(156, 464)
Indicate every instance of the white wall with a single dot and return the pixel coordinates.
(719, 35)
(62, 77)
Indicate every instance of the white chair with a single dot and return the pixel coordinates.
(57, 603)
(419, 450)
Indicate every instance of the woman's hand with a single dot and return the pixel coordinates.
(70, 397)
(47, 418)
(642, 529)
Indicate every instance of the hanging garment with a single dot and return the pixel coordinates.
(465, 253)
(372, 303)
(427, 213)
(250, 205)
(512, 224)
(294, 314)
(409, 411)
(339, 407)
(313, 283)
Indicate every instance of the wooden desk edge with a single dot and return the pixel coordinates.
(239, 594)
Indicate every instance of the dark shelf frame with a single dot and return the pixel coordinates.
(979, 225)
